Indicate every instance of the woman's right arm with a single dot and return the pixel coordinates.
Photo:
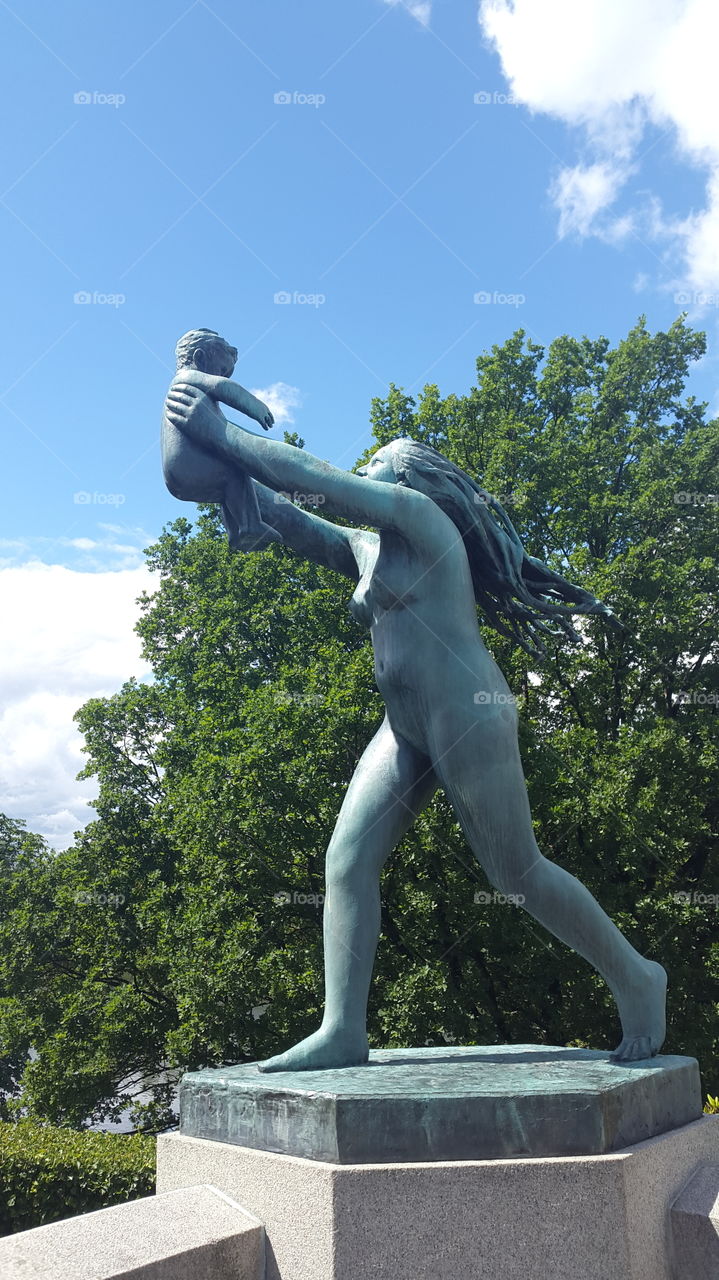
(283, 467)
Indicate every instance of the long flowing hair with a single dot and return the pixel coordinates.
(521, 596)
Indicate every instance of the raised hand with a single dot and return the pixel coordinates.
(190, 409)
(266, 418)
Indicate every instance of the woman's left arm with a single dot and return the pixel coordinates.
(283, 467)
(308, 534)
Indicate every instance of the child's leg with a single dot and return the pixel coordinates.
(246, 530)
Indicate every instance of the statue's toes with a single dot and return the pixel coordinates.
(633, 1049)
(274, 1064)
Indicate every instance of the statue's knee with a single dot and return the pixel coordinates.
(344, 867)
(518, 882)
(505, 883)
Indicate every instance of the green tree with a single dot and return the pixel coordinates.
(22, 855)
(184, 926)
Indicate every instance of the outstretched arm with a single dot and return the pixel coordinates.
(311, 536)
(237, 397)
(229, 393)
(284, 467)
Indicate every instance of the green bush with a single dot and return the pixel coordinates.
(48, 1173)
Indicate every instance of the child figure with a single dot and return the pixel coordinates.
(195, 475)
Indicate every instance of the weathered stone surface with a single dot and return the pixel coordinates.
(561, 1218)
(456, 1104)
(695, 1226)
(184, 1234)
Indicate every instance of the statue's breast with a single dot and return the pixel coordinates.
(366, 553)
(360, 606)
(386, 582)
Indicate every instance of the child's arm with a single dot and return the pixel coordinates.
(231, 394)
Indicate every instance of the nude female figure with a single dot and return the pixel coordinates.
(442, 546)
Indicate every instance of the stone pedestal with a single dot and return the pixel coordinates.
(189, 1234)
(452, 1165)
(695, 1226)
(561, 1218)
(445, 1104)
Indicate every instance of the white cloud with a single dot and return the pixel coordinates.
(112, 547)
(583, 192)
(612, 68)
(281, 399)
(702, 238)
(419, 9)
(68, 636)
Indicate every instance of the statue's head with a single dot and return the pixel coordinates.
(417, 466)
(520, 596)
(205, 350)
(381, 465)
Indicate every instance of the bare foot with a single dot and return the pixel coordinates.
(643, 1016)
(320, 1052)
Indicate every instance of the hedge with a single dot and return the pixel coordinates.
(48, 1173)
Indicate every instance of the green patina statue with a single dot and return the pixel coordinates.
(442, 547)
(199, 476)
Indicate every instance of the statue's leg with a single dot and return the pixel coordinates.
(391, 785)
(249, 531)
(483, 777)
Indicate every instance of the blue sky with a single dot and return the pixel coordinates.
(176, 192)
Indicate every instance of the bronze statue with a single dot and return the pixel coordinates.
(442, 546)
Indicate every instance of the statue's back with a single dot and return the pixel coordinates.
(191, 473)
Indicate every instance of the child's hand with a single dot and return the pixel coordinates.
(263, 415)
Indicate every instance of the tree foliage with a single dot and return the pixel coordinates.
(184, 926)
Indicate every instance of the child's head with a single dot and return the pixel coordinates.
(205, 350)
